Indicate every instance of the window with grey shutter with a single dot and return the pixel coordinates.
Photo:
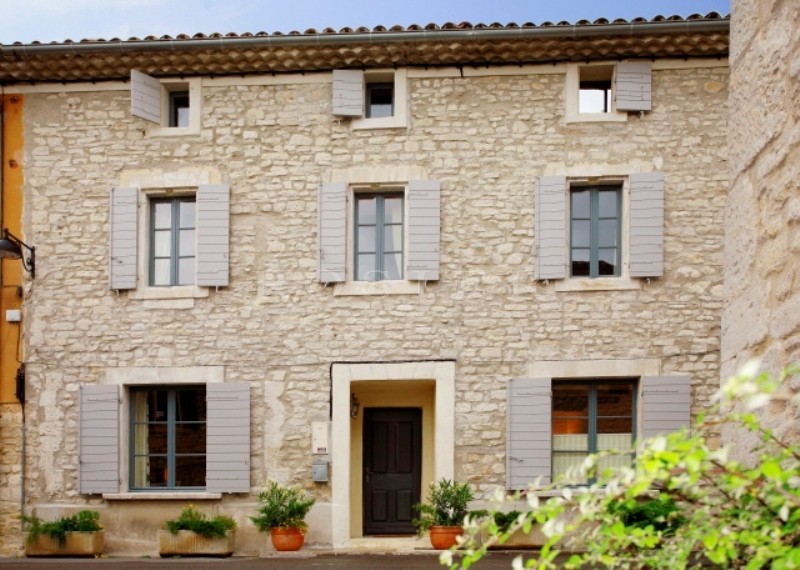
(551, 227)
(145, 97)
(123, 225)
(348, 92)
(633, 90)
(423, 230)
(228, 438)
(98, 432)
(666, 402)
(332, 232)
(213, 228)
(529, 431)
(647, 225)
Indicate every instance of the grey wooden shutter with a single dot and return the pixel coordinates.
(332, 232)
(424, 204)
(228, 437)
(666, 402)
(529, 431)
(213, 228)
(145, 97)
(348, 92)
(633, 89)
(122, 227)
(647, 225)
(98, 434)
(551, 227)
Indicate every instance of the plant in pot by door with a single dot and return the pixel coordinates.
(78, 535)
(193, 533)
(443, 515)
(282, 511)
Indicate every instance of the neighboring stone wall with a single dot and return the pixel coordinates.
(762, 221)
(484, 138)
(10, 477)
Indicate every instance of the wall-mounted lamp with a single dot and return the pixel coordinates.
(11, 248)
(354, 406)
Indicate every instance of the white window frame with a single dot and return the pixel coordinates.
(573, 83)
(194, 86)
(399, 120)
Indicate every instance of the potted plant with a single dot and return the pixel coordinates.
(443, 515)
(282, 512)
(78, 535)
(193, 533)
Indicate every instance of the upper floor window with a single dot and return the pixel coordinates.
(594, 95)
(172, 105)
(380, 100)
(172, 243)
(179, 109)
(605, 92)
(379, 237)
(595, 231)
(375, 99)
(168, 427)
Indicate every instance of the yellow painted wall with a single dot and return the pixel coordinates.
(12, 219)
(389, 394)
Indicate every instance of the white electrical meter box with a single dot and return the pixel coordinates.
(319, 438)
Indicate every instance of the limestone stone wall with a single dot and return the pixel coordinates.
(10, 477)
(762, 220)
(485, 138)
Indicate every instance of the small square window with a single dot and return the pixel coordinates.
(379, 100)
(594, 93)
(172, 241)
(379, 220)
(592, 416)
(595, 231)
(168, 429)
(178, 108)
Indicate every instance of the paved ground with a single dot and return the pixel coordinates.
(299, 561)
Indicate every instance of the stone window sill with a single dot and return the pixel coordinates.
(163, 496)
(165, 293)
(613, 117)
(356, 288)
(173, 132)
(379, 123)
(599, 284)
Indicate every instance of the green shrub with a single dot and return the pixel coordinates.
(83, 521)
(192, 518)
(662, 514)
(282, 507)
(503, 521)
(447, 505)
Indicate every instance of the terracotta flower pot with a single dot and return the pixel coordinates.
(86, 544)
(444, 537)
(286, 539)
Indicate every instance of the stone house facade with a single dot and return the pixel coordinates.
(346, 259)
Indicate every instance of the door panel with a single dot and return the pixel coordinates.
(392, 469)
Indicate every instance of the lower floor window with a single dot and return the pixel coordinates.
(592, 416)
(168, 447)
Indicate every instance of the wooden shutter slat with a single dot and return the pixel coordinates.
(332, 232)
(123, 225)
(145, 97)
(666, 402)
(348, 92)
(529, 431)
(98, 436)
(424, 210)
(213, 235)
(228, 439)
(647, 224)
(551, 227)
(633, 89)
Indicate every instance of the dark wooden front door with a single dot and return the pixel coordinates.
(392, 469)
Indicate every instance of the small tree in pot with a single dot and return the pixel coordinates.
(443, 515)
(282, 512)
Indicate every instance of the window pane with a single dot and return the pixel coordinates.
(570, 398)
(366, 239)
(190, 438)
(190, 471)
(150, 472)
(580, 262)
(150, 438)
(593, 100)
(392, 238)
(186, 271)
(163, 215)
(613, 428)
(162, 243)
(161, 272)
(608, 235)
(366, 210)
(186, 243)
(615, 400)
(392, 266)
(183, 117)
(607, 262)
(571, 442)
(564, 461)
(607, 203)
(366, 267)
(393, 209)
(187, 215)
(581, 233)
(190, 405)
(614, 461)
(580, 204)
(380, 100)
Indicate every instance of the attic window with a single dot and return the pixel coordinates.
(594, 95)
(179, 108)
